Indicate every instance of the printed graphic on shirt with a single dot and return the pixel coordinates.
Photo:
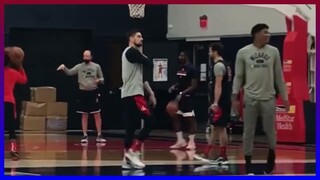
(185, 74)
(261, 60)
(89, 73)
(182, 73)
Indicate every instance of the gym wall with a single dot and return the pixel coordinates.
(223, 20)
(105, 20)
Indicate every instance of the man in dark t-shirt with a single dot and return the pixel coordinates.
(188, 77)
(221, 105)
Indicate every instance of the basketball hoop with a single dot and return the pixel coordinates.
(136, 10)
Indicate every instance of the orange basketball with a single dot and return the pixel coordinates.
(16, 55)
(172, 108)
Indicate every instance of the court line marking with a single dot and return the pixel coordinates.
(21, 173)
(311, 174)
(81, 163)
(116, 132)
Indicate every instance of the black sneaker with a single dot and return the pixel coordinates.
(85, 139)
(220, 160)
(270, 162)
(248, 165)
(15, 156)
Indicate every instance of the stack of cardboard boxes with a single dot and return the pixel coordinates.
(43, 113)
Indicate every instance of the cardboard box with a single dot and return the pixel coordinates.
(34, 123)
(56, 123)
(35, 109)
(57, 109)
(32, 91)
(23, 111)
(43, 94)
(23, 107)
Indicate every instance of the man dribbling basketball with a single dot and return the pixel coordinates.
(187, 83)
(13, 74)
(135, 106)
(258, 70)
(89, 77)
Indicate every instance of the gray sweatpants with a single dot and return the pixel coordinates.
(253, 109)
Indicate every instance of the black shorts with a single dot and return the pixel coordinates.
(224, 120)
(135, 108)
(88, 102)
(186, 106)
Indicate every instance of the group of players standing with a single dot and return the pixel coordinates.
(258, 60)
(257, 71)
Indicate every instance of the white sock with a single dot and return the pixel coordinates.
(179, 136)
(191, 138)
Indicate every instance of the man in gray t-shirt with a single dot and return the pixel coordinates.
(258, 71)
(89, 77)
(220, 106)
(135, 106)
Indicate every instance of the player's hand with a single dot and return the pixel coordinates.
(61, 67)
(287, 105)
(214, 107)
(178, 97)
(99, 81)
(153, 101)
(236, 107)
(171, 89)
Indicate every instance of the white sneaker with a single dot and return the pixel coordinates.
(127, 164)
(191, 146)
(85, 139)
(101, 139)
(179, 144)
(220, 161)
(134, 158)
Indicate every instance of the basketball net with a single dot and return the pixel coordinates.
(136, 10)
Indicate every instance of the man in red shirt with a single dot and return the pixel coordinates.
(13, 74)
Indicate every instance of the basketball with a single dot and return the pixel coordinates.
(172, 108)
(16, 55)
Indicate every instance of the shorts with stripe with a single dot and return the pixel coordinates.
(186, 106)
(88, 102)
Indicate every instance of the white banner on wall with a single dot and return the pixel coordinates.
(160, 69)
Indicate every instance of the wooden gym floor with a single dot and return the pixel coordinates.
(61, 154)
